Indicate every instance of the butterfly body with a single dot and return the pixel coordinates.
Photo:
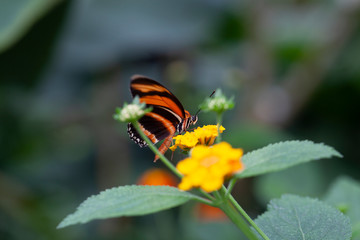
(167, 117)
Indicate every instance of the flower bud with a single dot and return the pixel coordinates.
(131, 112)
(219, 103)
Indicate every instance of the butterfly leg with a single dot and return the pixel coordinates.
(164, 146)
(172, 155)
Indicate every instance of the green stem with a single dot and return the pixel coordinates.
(228, 195)
(206, 194)
(244, 214)
(156, 151)
(218, 196)
(219, 122)
(237, 219)
(205, 201)
(230, 187)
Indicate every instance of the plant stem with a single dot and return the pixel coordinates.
(205, 201)
(156, 151)
(206, 194)
(219, 122)
(218, 196)
(239, 209)
(230, 187)
(237, 219)
(244, 214)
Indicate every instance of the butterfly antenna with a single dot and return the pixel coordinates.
(212, 93)
(209, 97)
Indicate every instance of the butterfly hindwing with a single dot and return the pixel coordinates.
(134, 135)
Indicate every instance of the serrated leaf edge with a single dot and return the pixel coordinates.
(336, 153)
(249, 154)
(186, 194)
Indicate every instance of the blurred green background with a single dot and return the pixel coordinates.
(293, 67)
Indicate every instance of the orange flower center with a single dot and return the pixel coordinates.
(208, 161)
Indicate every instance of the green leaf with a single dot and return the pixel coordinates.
(292, 218)
(127, 201)
(279, 156)
(345, 195)
(16, 17)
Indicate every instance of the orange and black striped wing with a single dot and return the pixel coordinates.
(167, 111)
(154, 94)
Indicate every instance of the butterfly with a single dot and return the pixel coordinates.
(167, 117)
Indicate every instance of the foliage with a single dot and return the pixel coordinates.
(299, 215)
(206, 169)
(17, 17)
(282, 155)
(65, 66)
(127, 201)
(292, 217)
(345, 195)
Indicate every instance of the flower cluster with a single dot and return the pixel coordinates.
(131, 112)
(207, 167)
(202, 135)
(219, 103)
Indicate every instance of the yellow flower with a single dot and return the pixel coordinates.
(207, 167)
(202, 135)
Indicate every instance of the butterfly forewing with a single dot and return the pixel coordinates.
(167, 111)
(155, 94)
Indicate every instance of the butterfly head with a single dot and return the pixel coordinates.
(185, 123)
(193, 120)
